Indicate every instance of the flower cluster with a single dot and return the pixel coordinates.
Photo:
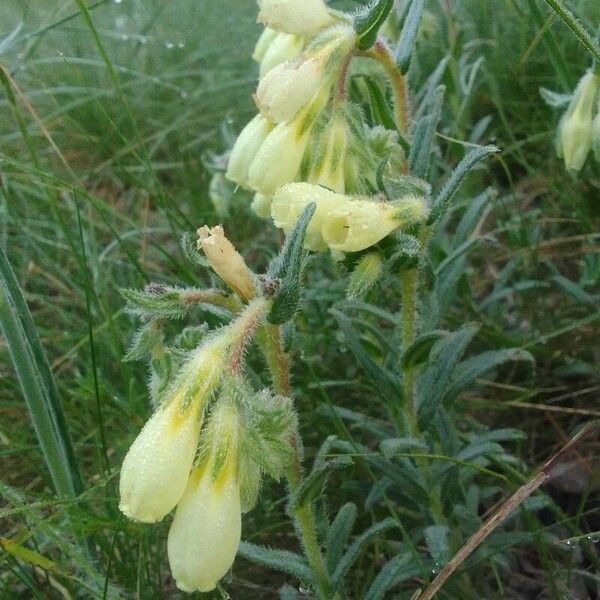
(208, 472)
(579, 129)
(307, 132)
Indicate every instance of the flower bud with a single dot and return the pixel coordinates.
(365, 276)
(156, 468)
(261, 205)
(206, 531)
(226, 261)
(245, 149)
(362, 223)
(290, 200)
(575, 130)
(284, 47)
(263, 43)
(289, 86)
(305, 17)
(286, 88)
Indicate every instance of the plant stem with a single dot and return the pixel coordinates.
(382, 53)
(303, 515)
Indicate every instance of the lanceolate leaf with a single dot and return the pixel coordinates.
(386, 384)
(338, 534)
(395, 571)
(313, 484)
(406, 44)
(37, 383)
(476, 366)
(419, 350)
(279, 560)
(449, 191)
(368, 21)
(433, 382)
(424, 134)
(357, 547)
(287, 269)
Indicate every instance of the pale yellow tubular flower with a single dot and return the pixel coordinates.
(245, 149)
(291, 199)
(263, 44)
(285, 46)
(261, 205)
(576, 125)
(288, 87)
(157, 466)
(303, 17)
(206, 531)
(279, 158)
(362, 223)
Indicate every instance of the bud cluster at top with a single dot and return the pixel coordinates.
(306, 131)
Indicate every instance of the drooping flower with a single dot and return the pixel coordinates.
(272, 50)
(575, 129)
(362, 223)
(290, 200)
(206, 531)
(303, 17)
(226, 261)
(245, 149)
(261, 205)
(156, 468)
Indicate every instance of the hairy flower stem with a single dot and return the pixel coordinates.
(381, 53)
(303, 515)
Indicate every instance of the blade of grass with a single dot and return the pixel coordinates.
(580, 32)
(37, 384)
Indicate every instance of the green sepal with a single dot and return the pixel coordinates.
(369, 20)
(147, 337)
(287, 268)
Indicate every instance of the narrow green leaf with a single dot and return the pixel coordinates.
(580, 32)
(395, 571)
(278, 560)
(369, 20)
(419, 350)
(287, 268)
(436, 537)
(386, 383)
(312, 486)
(339, 533)
(380, 108)
(37, 384)
(408, 36)
(433, 382)
(357, 547)
(449, 191)
(575, 291)
(424, 134)
(476, 366)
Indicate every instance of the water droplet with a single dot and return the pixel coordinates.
(118, 1)
(181, 45)
(124, 37)
(184, 94)
(170, 45)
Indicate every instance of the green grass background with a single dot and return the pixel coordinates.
(133, 106)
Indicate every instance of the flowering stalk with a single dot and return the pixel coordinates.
(303, 515)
